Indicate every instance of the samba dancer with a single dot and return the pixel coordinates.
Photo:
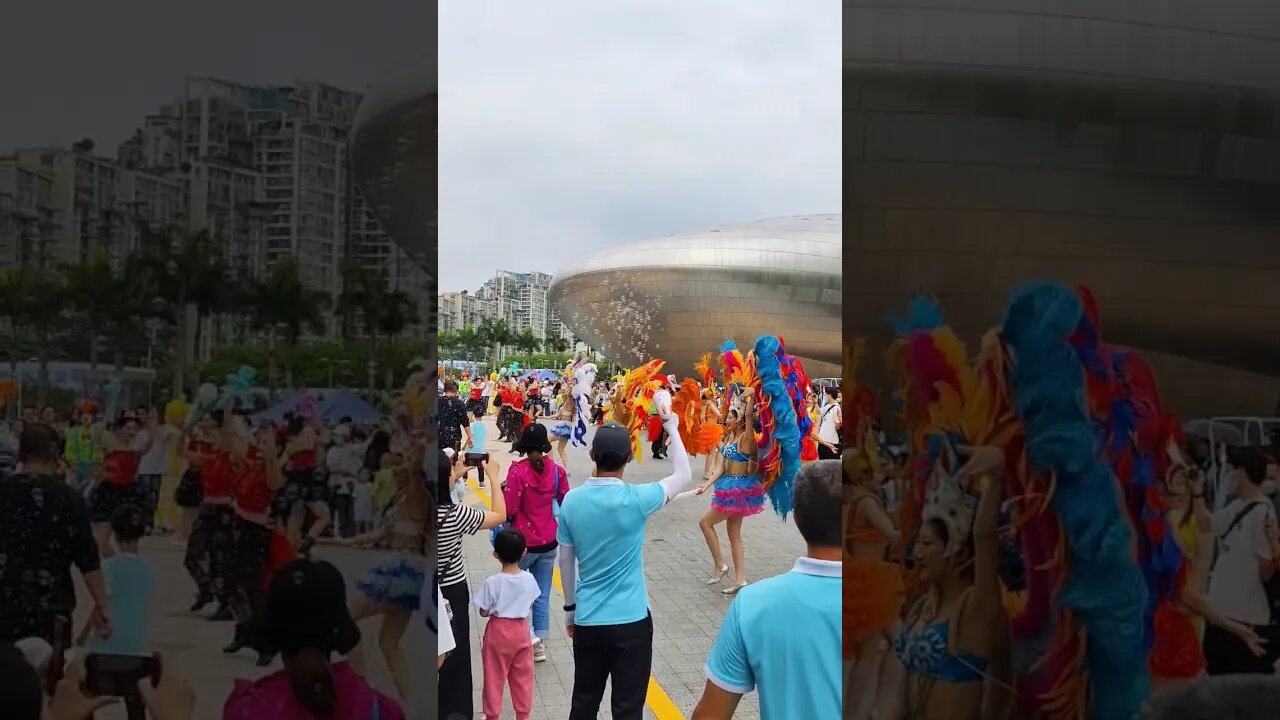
(393, 588)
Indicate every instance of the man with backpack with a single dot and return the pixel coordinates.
(1247, 545)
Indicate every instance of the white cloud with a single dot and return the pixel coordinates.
(569, 125)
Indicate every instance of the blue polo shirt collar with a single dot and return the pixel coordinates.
(822, 568)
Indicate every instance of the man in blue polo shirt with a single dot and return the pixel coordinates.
(782, 635)
(601, 536)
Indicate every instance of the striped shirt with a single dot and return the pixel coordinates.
(455, 521)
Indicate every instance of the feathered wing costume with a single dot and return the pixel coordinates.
(700, 438)
(633, 401)
(873, 587)
(781, 428)
(1078, 626)
(1125, 404)
(1090, 633)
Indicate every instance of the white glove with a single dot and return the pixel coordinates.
(662, 405)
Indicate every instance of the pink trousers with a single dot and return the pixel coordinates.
(507, 652)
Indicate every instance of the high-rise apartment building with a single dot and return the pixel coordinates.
(267, 173)
(26, 211)
(458, 310)
(522, 300)
(96, 203)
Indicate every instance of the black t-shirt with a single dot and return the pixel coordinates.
(453, 417)
(44, 530)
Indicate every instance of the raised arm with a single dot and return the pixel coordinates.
(748, 445)
(682, 474)
(988, 461)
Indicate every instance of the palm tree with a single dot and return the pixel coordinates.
(528, 343)
(45, 306)
(193, 276)
(556, 344)
(358, 297)
(13, 309)
(394, 313)
(286, 307)
(496, 335)
(93, 290)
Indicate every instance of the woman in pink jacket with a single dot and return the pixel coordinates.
(535, 487)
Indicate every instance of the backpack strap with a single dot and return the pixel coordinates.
(1239, 518)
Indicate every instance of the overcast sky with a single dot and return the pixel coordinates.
(95, 69)
(570, 125)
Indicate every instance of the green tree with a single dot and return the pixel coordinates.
(285, 309)
(555, 344)
(496, 336)
(527, 343)
(192, 278)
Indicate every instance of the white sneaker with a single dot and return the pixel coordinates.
(539, 652)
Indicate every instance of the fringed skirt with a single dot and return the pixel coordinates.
(562, 430)
(396, 581)
(738, 495)
(873, 595)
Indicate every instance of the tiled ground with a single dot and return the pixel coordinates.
(193, 645)
(687, 613)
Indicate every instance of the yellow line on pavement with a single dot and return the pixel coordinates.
(657, 699)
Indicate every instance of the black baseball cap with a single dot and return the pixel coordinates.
(611, 445)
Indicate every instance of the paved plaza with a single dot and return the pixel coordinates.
(686, 612)
(193, 645)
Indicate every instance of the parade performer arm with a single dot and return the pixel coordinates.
(748, 446)
(986, 461)
(271, 460)
(369, 538)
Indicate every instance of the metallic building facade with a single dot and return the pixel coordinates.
(1132, 147)
(393, 156)
(680, 296)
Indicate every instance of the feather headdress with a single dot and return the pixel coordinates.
(861, 457)
(738, 371)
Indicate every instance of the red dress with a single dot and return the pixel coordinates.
(120, 467)
(216, 477)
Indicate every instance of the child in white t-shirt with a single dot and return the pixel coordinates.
(507, 650)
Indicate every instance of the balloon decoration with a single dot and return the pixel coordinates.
(175, 412)
(113, 389)
(415, 393)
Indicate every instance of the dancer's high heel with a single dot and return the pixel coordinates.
(715, 579)
(733, 590)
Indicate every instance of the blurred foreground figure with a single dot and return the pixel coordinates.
(1225, 697)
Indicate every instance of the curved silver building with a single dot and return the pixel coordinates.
(680, 296)
(393, 156)
(1132, 147)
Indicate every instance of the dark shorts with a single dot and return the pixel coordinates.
(107, 498)
(302, 487)
(190, 493)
